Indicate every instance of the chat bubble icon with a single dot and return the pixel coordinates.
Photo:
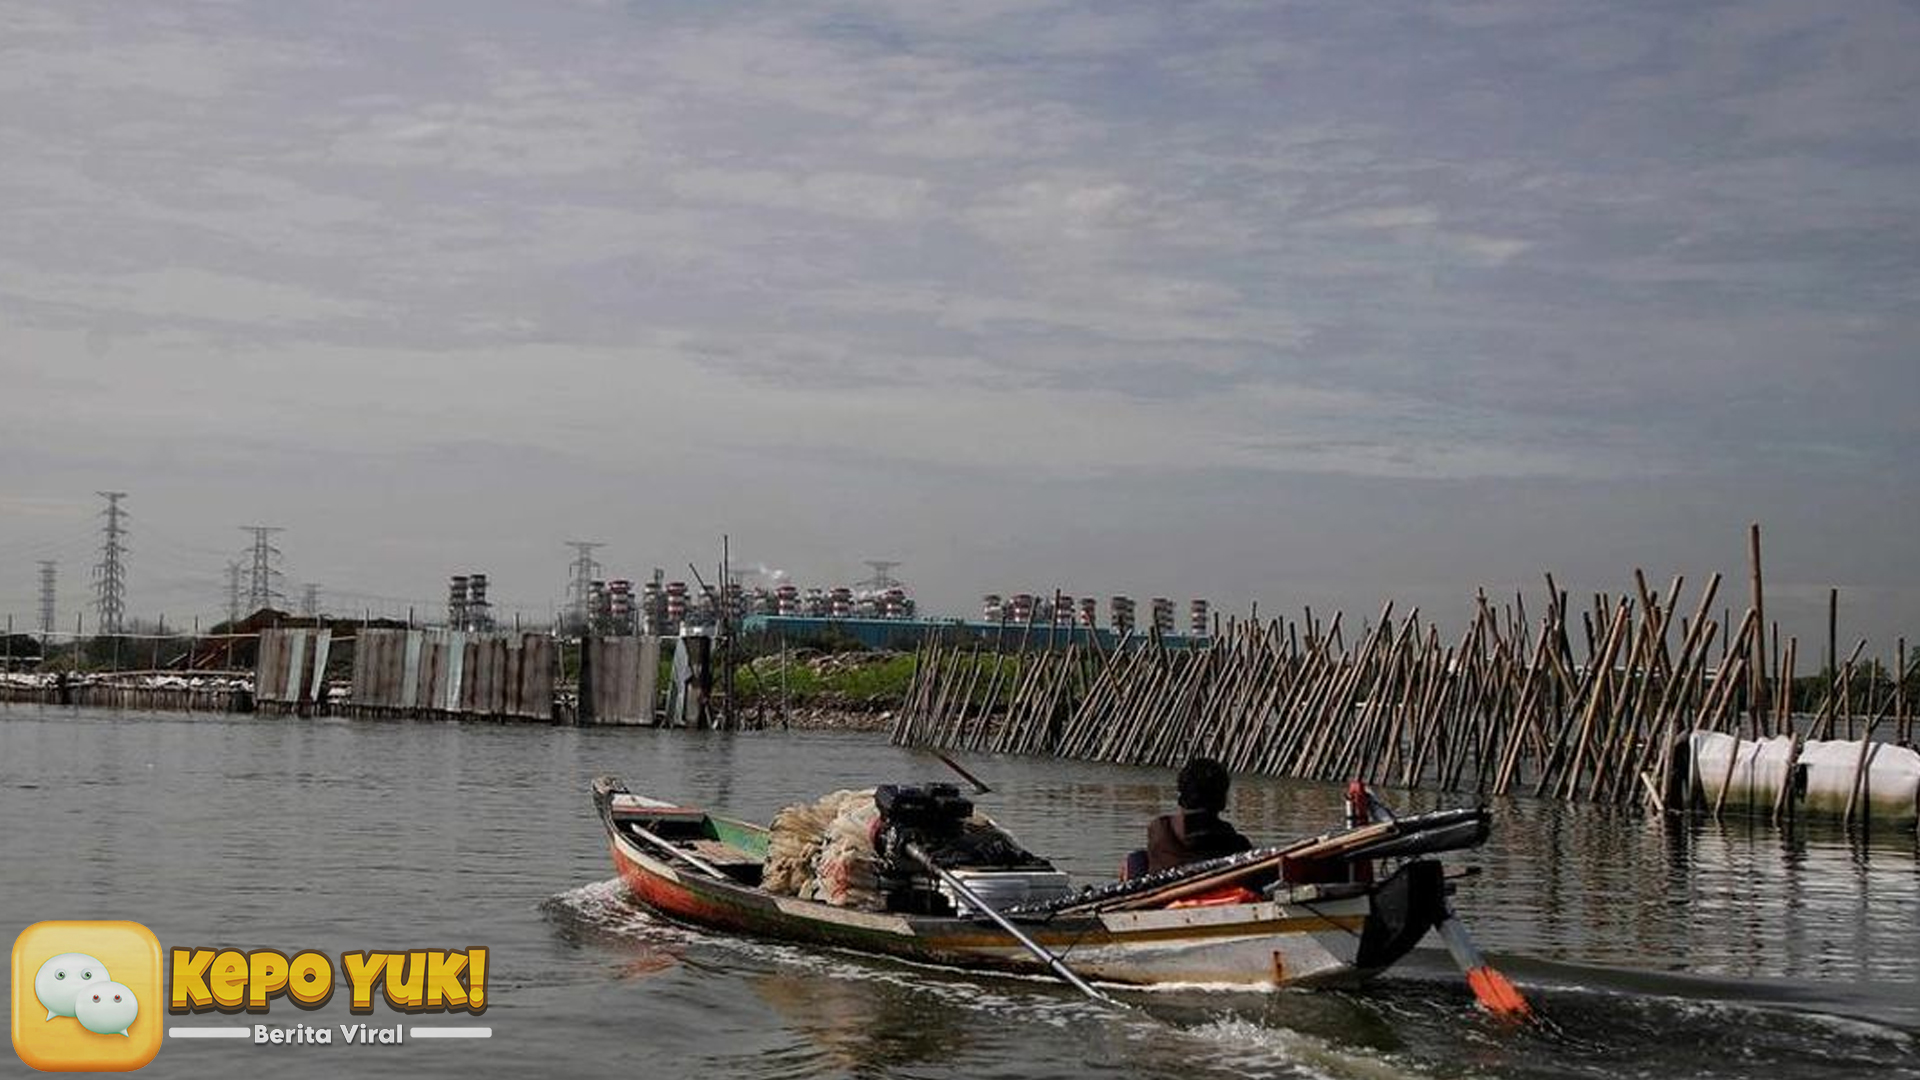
(62, 978)
(107, 1009)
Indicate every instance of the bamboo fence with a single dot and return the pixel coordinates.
(1583, 703)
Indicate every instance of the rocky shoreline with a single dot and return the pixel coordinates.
(819, 718)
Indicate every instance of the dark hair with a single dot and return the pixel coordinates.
(1203, 785)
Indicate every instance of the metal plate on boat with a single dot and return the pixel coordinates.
(1002, 889)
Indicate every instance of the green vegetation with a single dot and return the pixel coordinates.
(19, 651)
(864, 681)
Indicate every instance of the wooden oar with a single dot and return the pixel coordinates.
(1054, 963)
(670, 848)
(1495, 991)
(979, 786)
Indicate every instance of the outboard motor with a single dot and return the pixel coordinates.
(928, 810)
(940, 821)
(931, 815)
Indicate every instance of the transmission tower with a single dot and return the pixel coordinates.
(585, 570)
(46, 595)
(263, 580)
(110, 573)
(310, 599)
(882, 578)
(233, 595)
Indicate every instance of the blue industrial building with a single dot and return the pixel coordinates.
(905, 634)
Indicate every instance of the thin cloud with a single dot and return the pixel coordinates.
(1022, 249)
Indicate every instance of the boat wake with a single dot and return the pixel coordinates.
(602, 914)
(603, 907)
(1251, 1048)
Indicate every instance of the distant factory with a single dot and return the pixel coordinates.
(1062, 609)
(878, 612)
(1034, 620)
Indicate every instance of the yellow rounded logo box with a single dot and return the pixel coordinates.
(87, 996)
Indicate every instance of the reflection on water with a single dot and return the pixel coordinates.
(858, 1029)
(1654, 948)
(1731, 898)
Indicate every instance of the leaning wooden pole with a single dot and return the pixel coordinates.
(1757, 665)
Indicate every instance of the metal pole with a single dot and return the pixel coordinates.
(972, 898)
(722, 653)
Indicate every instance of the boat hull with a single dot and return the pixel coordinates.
(1326, 941)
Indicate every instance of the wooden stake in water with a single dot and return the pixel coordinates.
(1757, 705)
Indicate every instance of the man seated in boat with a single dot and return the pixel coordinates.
(1196, 831)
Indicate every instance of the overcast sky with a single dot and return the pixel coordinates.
(1319, 303)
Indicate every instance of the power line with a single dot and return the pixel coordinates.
(47, 567)
(66, 544)
(111, 585)
(882, 578)
(262, 581)
(580, 593)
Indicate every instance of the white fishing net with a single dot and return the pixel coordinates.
(824, 851)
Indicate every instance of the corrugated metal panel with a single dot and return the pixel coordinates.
(506, 668)
(379, 665)
(616, 674)
(267, 666)
(410, 672)
(433, 671)
(473, 696)
(291, 665)
(453, 648)
(369, 667)
(536, 677)
(454, 674)
(649, 676)
(322, 647)
(357, 679)
(472, 690)
(296, 658)
(395, 671)
(615, 669)
(509, 676)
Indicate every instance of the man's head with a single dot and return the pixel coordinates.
(1203, 785)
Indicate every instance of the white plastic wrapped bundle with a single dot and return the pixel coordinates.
(1880, 780)
(795, 839)
(823, 851)
(846, 870)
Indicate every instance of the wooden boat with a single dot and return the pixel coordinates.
(1325, 921)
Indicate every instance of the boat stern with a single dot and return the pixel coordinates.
(1403, 908)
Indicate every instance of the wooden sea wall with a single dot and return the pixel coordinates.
(135, 693)
(1585, 703)
(620, 680)
(448, 673)
(290, 668)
